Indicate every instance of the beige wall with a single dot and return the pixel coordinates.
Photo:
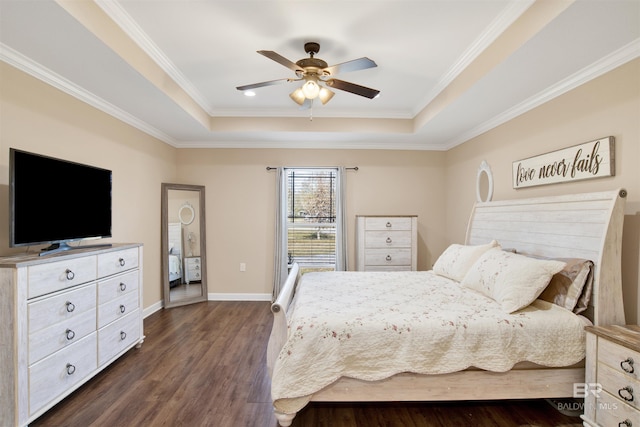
(36, 117)
(240, 192)
(609, 105)
(241, 203)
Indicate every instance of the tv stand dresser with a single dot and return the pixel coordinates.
(64, 318)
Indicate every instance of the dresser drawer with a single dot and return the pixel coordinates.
(612, 412)
(114, 287)
(387, 223)
(61, 307)
(54, 276)
(55, 374)
(387, 239)
(117, 336)
(118, 261)
(624, 387)
(388, 257)
(55, 337)
(617, 357)
(117, 308)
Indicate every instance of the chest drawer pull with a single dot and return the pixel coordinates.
(70, 369)
(70, 307)
(625, 423)
(627, 365)
(389, 240)
(121, 261)
(388, 224)
(122, 308)
(70, 334)
(123, 335)
(70, 274)
(123, 286)
(626, 393)
(388, 258)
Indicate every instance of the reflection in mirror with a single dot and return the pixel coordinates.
(183, 244)
(484, 183)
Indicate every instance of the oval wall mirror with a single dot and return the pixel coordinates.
(484, 183)
(186, 214)
(184, 255)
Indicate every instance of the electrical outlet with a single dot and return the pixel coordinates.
(243, 266)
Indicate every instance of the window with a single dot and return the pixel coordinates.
(311, 218)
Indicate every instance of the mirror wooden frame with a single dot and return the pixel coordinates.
(166, 187)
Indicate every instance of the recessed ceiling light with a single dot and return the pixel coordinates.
(249, 93)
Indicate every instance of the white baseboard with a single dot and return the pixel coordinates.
(238, 297)
(152, 309)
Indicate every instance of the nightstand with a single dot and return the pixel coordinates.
(612, 376)
(192, 269)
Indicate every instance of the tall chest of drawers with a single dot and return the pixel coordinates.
(612, 376)
(386, 243)
(65, 317)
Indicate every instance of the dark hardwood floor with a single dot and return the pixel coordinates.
(204, 365)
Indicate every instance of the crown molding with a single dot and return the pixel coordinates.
(25, 64)
(620, 57)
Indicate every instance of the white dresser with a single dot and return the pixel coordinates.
(612, 383)
(64, 318)
(192, 269)
(386, 243)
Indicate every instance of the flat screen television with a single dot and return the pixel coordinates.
(54, 201)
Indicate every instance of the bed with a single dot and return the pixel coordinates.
(175, 254)
(312, 359)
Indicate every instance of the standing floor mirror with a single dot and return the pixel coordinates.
(184, 271)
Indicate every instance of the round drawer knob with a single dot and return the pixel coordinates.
(70, 274)
(388, 258)
(389, 240)
(70, 334)
(121, 261)
(122, 308)
(70, 306)
(388, 225)
(123, 335)
(123, 286)
(70, 369)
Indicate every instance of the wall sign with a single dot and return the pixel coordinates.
(593, 159)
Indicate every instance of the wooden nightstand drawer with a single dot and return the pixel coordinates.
(613, 412)
(623, 360)
(624, 387)
(388, 257)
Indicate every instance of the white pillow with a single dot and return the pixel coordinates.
(513, 280)
(456, 260)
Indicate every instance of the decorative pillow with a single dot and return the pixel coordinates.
(456, 260)
(571, 287)
(512, 280)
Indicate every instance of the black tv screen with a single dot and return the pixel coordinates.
(54, 201)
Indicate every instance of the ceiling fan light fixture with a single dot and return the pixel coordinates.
(298, 96)
(311, 89)
(325, 95)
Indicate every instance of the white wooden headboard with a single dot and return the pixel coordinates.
(587, 225)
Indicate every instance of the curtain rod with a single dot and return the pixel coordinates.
(270, 168)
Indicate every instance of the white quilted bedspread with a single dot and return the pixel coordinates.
(371, 326)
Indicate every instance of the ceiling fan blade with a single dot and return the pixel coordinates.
(353, 88)
(280, 60)
(262, 84)
(354, 65)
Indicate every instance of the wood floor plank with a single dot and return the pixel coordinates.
(204, 365)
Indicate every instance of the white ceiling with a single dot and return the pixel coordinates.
(448, 70)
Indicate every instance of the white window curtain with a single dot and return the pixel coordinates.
(281, 257)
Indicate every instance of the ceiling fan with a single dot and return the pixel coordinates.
(317, 76)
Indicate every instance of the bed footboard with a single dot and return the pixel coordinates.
(279, 309)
